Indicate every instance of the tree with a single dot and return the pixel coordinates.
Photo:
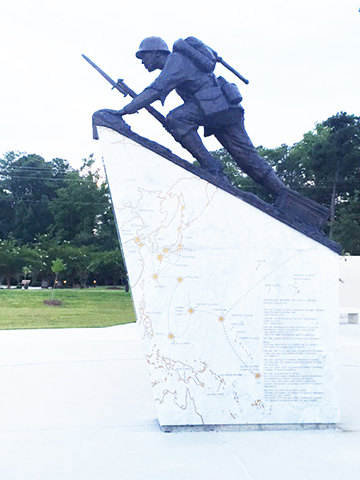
(61, 213)
(109, 264)
(240, 180)
(57, 266)
(79, 263)
(6, 213)
(347, 224)
(106, 233)
(325, 164)
(14, 258)
(79, 206)
(27, 186)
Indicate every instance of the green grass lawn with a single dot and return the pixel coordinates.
(91, 307)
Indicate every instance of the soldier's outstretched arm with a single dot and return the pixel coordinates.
(144, 99)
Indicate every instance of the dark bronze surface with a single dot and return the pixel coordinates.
(215, 104)
(109, 119)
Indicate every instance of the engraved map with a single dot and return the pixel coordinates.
(227, 299)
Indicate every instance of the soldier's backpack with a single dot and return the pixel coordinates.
(205, 59)
(202, 55)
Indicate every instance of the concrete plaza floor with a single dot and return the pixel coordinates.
(76, 404)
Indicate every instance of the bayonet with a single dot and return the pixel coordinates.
(125, 90)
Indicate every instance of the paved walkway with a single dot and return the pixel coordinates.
(76, 404)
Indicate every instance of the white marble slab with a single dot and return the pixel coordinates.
(238, 311)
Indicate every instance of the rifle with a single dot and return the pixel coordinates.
(232, 70)
(199, 53)
(125, 90)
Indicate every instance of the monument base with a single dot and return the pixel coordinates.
(238, 309)
(247, 428)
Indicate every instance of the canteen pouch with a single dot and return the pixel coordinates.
(211, 101)
(230, 90)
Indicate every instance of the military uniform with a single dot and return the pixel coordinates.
(205, 104)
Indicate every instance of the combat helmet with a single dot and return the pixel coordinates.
(152, 44)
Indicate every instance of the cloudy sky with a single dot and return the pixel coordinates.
(302, 60)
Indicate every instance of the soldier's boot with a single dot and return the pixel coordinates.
(193, 144)
(272, 183)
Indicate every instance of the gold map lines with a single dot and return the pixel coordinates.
(262, 279)
(190, 312)
(170, 207)
(222, 318)
(189, 400)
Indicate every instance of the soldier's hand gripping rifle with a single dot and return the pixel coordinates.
(125, 90)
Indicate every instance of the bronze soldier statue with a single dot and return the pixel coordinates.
(209, 101)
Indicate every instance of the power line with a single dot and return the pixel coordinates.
(57, 202)
(11, 169)
(80, 180)
(64, 180)
(28, 167)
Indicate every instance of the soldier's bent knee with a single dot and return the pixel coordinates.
(178, 125)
